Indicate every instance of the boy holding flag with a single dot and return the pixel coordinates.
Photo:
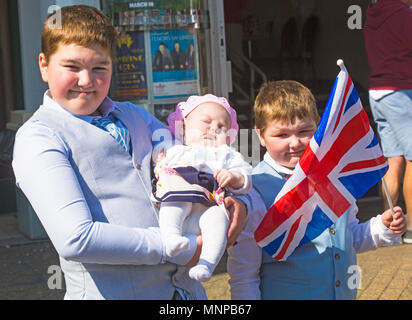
(303, 200)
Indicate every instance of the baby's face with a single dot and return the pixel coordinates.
(208, 124)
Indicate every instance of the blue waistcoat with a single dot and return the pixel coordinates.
(320, 269)
(99, 171)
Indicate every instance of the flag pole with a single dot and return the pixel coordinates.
(388, 196)
(341, 65)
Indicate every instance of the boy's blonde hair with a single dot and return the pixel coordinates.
(283, 100)
(80, 24)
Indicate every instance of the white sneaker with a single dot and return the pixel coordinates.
(407, 237)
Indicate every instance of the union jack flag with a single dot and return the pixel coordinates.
(342, 161)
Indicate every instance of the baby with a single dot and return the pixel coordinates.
(192, 178)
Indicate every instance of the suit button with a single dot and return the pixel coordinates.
(331, 230)
(337, 256)
(337, 283)
(137, 166)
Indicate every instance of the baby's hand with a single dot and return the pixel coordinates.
(397, 223)
(225, 178)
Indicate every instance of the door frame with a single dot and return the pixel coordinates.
(6, 78)
(221, 68)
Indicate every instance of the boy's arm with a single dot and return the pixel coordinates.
(45, 175)
(245, 257)
(371, 234)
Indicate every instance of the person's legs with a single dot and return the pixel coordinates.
(213, 225)
(171, 218)
(393, 178)
(407, 193)
(398, 111)
(393, 117)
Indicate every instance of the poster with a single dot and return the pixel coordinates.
(129, 74)
(175, 72)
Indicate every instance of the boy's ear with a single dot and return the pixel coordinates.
(262, 141)
(43, 67)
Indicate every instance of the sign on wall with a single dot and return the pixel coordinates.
(129, 74)
(174, 67)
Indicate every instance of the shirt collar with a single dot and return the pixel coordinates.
(105, 107)
(280, 169)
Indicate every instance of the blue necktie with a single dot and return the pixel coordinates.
(116, 129)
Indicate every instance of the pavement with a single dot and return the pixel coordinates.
(29, 269)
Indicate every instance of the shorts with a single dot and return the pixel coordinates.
(393, 117)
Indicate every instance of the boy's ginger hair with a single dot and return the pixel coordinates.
(82, 25)
(283, 100)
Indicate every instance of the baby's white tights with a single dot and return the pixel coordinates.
(212, 222)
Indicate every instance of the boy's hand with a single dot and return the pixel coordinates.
(225, 178)
(237, 218)
(196, 256)
(397, 223)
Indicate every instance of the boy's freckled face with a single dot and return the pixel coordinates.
(78, 77)
(285, 142)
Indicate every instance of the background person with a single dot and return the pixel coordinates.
(388, 41)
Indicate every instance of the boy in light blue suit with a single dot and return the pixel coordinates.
(83, 161)
(325, 268)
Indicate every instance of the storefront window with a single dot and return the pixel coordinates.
(162, 52)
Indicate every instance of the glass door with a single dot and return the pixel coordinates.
(163, 52)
